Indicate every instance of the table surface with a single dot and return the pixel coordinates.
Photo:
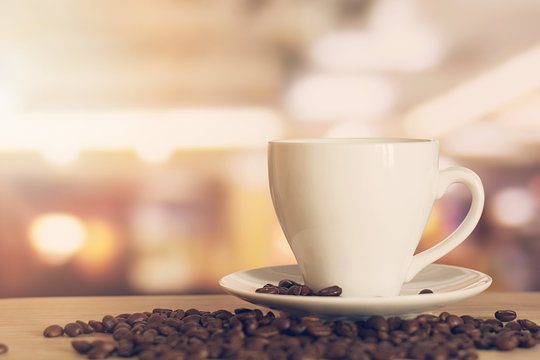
(22, 320)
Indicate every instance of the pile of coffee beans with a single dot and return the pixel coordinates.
(251, 334)
(3, 348)
(291, 287)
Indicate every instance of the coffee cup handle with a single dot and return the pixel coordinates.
(446, 178)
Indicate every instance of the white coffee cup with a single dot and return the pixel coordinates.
(353, 210)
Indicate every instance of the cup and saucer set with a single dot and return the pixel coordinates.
(353, 212)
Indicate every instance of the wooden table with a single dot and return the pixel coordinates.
(22, 320)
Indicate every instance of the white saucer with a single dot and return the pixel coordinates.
(449, 284)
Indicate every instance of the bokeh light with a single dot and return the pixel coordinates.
(324, 97)
(161, 272)
(56, 237)
(97, 253)
(513, 206)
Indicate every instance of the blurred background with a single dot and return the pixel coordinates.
(133, 133)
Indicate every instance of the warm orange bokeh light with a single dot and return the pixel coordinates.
(100, 247)
(56, 237)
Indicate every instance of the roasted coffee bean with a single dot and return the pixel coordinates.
(493, 322)
(250, 334)
(256, 343)
(410, 326)
(336, 350)
(87, 329)
(136, 317)
(268, 290)
(53, 331)
(505, 315)
(330, 291)
(453, 320)
(299, 290)
(425, 291)
(125, 348)
(282, 323)
(506, 342)
(81, 346)
(526, 340)
(441, 328)
(108, 322)
(484, 342)
(159, 311)
(287, 283)
(193, 311)
(121, 325)
(318, 330)
(73, 329)
(463, 329)
(122, 334)
(529, 325)
(378, 323)
(444, 315)
(250, 325)
(96, 325)
(291, 287)
(346, 329)
(266, 331)
(513, 325)
(98, 353)
(3, 348)
(267, 319)
(298, 329)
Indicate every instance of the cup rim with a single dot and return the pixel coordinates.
(353, 141)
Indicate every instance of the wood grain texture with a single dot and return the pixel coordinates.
(22, 320)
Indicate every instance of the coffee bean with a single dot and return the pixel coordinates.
(505, 315)
(136, 317)
(122, 334)
(506, 342)
(336, 350)
(319, 330)
(346, 329)
(410, 326)
(108, 322)
(251, 334)
(266, 331)
(513, 325)
(87, 329)
(81, 346)
(425, 291)
(73, 329)
(268, 290)
(299, 290)
(453, 320)
(98, 353)
(282, 323)
(97, 326)
(526, 340)
(378, 323)
(3, 348)
(529, 325)
(125, 348)
(53, 331)
(291, 287)
(286, 283)
(330, 291)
